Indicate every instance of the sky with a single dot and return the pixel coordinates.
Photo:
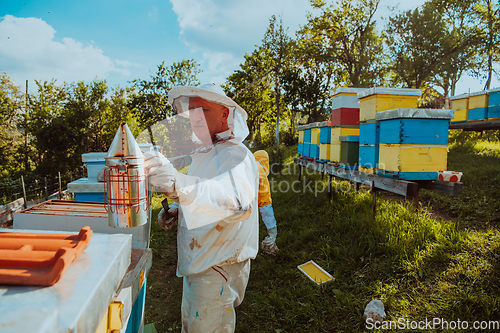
(123, 40)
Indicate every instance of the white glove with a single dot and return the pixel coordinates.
(100, 175)
(167, 220)
(269, 243)
(161, 173)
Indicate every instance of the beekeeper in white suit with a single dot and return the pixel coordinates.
(218, 212)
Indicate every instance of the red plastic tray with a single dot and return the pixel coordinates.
(39, 259)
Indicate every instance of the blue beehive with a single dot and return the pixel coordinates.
(307, 135)
(368, 156)
(369, 133)
(414, 131)
(325, 133)
(307, 149)
(494, 103)
(314, 151)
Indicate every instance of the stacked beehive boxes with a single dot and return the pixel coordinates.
(324, 141)
(478, 106)
(372, 101)
(460, 103)
(315, 134)
(494, 104)
(307, 140)
(413, 143)
(344, 119)
(300, 148)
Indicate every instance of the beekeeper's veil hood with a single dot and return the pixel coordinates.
(178, 97)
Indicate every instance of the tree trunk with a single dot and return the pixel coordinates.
(277, 101)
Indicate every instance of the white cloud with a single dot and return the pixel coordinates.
(28, 50)
(224, 30)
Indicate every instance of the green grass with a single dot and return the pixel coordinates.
(418, 265)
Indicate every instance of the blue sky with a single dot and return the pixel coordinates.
(121, 40)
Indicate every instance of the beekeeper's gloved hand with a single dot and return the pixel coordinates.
(161, 173)
(100, 175)
(166, 220)
(269, 243)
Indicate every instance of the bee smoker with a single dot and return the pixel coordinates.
(126, 197)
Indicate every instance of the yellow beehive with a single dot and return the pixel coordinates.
(301, 136)
(460, 102)
(324, 151)
(375, 100)
(335, 152)
(460, 115)
(315, 136)
(413, 158)
(338, 131)
(478, 100)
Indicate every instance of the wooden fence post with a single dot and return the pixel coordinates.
(24, 193)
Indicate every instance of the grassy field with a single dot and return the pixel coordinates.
(442, 262)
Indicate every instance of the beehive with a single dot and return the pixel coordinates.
(460, 103)
(368, 156)
(314, 150)
(300, 130)
(324, 151)
(325, 132)
(412, 162)
(349, 149)
(414, 126)
(369, 133)
(494, 103)
(315, 135)
(378, 99)
(478, 106)
(345, 106)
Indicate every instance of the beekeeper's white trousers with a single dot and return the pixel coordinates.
(209, 298)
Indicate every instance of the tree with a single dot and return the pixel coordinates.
(277, 43)
(251, 87)
(344, 35)
(488, 14)
(423, 44)
(11, 138)
(149, 101)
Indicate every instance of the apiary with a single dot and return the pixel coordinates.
(478, 106)
(378, 99)
(494, 103)
(460, 103)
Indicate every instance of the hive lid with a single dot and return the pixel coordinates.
(124, 144)
(389, 91)
(347, 90)
(415, 113)
(94, 157)
(39, 259)
(461, 96)
(493, 90)
(478, 93)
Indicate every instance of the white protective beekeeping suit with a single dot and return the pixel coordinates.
(218, 218)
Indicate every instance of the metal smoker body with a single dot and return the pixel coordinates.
(125, 182)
